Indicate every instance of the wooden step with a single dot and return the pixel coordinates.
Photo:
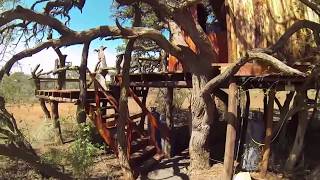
(137, 158)
(139, 143)
(107, 107)
(110, 116)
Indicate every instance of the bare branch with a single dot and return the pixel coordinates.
(313, 5)
(315, 27)
(86, 36)
(29, 15)
(250, 55)
(23, 54)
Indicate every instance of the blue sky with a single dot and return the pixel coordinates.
(94, 14)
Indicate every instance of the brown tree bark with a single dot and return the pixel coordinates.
(36, 81)
(231, 117)
(56, 124)
(202, 108)
(299, 140)
(123, 155)
(169, 120)
(81, 113)
(268, 136)
(60, 63)
(124, 114)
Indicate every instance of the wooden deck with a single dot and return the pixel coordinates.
(64, 95)
(248, 77)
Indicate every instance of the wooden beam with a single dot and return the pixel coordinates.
(231, 117)
(174, 84)
(267, 140)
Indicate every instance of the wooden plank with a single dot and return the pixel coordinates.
(173, 84)
(231, 117)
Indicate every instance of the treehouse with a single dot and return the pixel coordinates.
(253, 24)
(239, 27)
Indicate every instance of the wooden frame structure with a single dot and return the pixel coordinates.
(139, 83)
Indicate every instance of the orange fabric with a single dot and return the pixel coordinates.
(220, 45)
(174, 64)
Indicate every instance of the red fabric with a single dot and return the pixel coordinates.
(220, 45)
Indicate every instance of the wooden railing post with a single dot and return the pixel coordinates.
(231, 118)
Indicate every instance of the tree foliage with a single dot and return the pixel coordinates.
(17, 88)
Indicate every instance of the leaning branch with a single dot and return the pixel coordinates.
(250, 55)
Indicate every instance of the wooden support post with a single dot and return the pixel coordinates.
(56, 124)
(231, 117)
(169, 120)
(267, 140)
(81, 114)
(297, 148)
(104, 111)
(144, 101)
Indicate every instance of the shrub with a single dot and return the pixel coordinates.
(53, 156)
(82, 152)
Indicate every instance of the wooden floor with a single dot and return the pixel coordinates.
(244, 78)
(64, 95)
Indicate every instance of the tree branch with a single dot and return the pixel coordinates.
(28, 15)
(89, 35)
(315, 27)
(250, 55)
(313, 5)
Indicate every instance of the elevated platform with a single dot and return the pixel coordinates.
(138, 82)
(65, 95)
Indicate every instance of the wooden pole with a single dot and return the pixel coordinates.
(231, 117)
(169, 120)
(144, 101)
(297, 148)
(267, 140)
(81, 114)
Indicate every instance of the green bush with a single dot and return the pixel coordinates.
(53, 156)
(82, 152)
(17, 88)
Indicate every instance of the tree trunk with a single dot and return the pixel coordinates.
(124, 114)
(37, 87)
(45, 109)
(56, 124)
(299, 140)
(81, 113)
(268, 136)
(231, 132)
(60, 63)
(169, 120)
(202, 116)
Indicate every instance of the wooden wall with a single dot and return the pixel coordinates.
(260, 23)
